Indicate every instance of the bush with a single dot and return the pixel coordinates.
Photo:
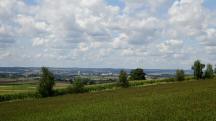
(123, 81)
(167, 80)
(46, 84)
(85, 81)
(180, 75)
(101, 87)
(77, 87)
(8, 97)
(137, 74)
(209, 73)
(189, 78)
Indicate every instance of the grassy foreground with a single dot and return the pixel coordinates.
(184, 101)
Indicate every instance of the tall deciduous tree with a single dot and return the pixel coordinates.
(47, 82)
(215, 69)
(198, 69)
(137, 74)
(209, 73)
(123, 79)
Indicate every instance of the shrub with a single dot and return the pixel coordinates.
(198, 69)
(167, 80)
(137, 74)
(8, 97)
(77, 87)
(46, 84)
(85, 81)
(189, 78)
(180, 75)
(209, 73)
(123, 81)
(100, 87)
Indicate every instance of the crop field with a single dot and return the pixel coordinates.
(18, 87)
(182, 101)
(13, 88)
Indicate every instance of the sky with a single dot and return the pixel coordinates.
(153, 34)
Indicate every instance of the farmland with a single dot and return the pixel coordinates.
(14, 88)
(181, 101)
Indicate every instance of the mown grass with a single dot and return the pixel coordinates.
(182, 101)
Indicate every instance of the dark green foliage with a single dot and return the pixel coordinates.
(167, 80)
(77, 87)
(123, 79)
(18, 96)
(189, 78)
(101, 87)
(198, 69)
(209, 73)
(215, 70)
(47, 82)
(85, 80)
(137, 74)
(180, 75)
(91, 82)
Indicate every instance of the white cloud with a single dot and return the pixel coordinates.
(5, 55)
(83, 47)
(171, 46)
(208, 38)
(121, 41)
(92, 29)
(39, 41)
(147, 5)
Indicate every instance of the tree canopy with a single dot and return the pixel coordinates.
(209, 73)
(46, 83)
(123, 79)
(180, 75)
(198, 69)
(137, 74)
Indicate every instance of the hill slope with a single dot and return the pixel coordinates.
(186, 101)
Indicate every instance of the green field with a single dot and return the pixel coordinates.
(183, 101)
(25, 87)
(14, 88)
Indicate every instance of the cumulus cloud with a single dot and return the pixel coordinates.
(170, 46)
(91, 30)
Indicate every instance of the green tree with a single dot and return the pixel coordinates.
(198, 69)
(123, 81)
(215, 69)
(209, 73)
(180, 75)
(137, 74)
(46, 83)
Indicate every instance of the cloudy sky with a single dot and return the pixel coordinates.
(107, 33)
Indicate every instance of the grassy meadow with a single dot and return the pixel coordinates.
(181, 101)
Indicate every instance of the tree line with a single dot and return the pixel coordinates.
(47, 82)
(198, 73)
